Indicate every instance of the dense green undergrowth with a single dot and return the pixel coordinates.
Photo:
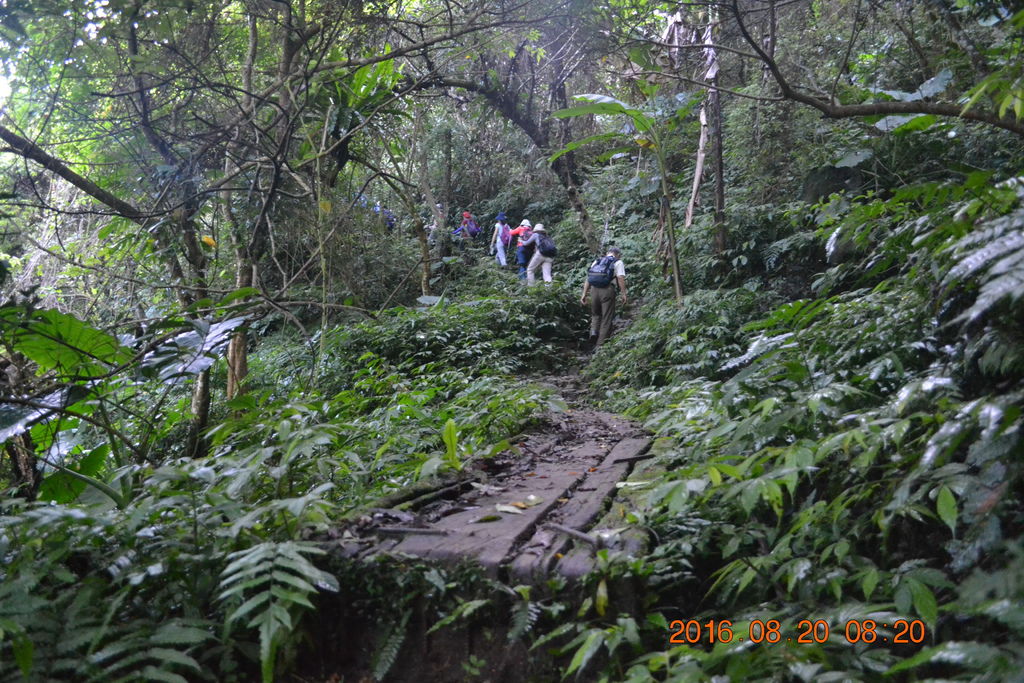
(845, 458)
(203, 568)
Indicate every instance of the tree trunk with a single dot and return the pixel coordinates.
(197, 444)
(715, 107)
(26, 477)
(721, 236)
(238, 348)
(446, 188)
(421, 235)
(440, 229)
(566, 172)
(698, 168)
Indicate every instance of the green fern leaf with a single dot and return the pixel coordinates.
(284, 579)
(977, 259)
(151, 673)
(178, 634)
(524, 615)
(388, 653)
(1009, 285)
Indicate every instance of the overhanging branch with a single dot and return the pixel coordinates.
(30, 150)
(841, 111)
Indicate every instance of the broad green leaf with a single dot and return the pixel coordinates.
(616, 152)
(242, 293)
(177, 634)
(576, 144)
(869, 582)
(591, 644)
(601, 598)
(450, 435)
(60, 342)
(16, 419)
(151, 673)
(945, 505)
(959, 654)
(924, 601)
(463, 610)
(165, 654)
(24, 653)
(64, 487)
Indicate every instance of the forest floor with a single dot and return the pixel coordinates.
(543, 507)
(525, 513)
(537, 508)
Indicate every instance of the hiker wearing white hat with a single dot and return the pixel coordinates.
(543, 254)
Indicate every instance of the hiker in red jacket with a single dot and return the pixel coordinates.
(523, 253)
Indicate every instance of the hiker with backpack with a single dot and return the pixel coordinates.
(523, 253)
(543, 254)
(500, 239)
(602, 275)
(468, 229)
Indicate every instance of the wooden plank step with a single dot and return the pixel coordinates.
(588, 501)
(489, 543)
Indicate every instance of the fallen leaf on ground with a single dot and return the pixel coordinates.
(508, 508)
(487, 518)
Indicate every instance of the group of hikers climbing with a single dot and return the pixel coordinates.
(535, 249)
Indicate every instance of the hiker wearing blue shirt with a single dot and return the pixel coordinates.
(500, 238)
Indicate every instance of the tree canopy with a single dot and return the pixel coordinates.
(234, 318)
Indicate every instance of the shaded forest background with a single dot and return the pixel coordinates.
(227, 324)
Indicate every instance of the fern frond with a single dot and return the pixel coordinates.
(160, 650)
(388, 653)
(759, 347)
(992, 292)
(284, 579)
(773, 253)
(524, 615)
(461, 612)
(1007, 245)
(992, 256)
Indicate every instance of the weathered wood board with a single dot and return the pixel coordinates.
(526, 521)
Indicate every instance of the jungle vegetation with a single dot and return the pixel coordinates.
(227, 323)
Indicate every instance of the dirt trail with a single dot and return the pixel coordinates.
(527, 512)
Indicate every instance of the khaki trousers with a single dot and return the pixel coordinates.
(602, 310)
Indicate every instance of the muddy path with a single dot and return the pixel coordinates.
(526, 513)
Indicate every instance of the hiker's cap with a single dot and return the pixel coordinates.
(526, 223)
(501, 216)
(539, 228)
(465, 214)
